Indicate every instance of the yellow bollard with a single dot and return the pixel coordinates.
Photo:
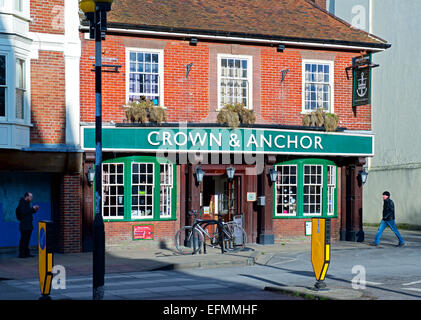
(45, 258)
(320, 249)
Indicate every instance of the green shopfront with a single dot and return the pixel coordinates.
(150, 180)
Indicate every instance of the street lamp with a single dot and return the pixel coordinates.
(96, 13)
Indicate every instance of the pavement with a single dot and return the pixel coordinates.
(139, 258)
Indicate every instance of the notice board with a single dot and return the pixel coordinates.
(143, 232)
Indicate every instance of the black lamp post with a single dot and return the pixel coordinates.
(96, 12)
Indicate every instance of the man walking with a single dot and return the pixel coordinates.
(388, 220)
(24, 213)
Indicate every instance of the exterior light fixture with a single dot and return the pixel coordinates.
(280, 48)
(199, 174)
(91, 175)
(230, 172)
(193, 41)
(363, 175)
(273, 174)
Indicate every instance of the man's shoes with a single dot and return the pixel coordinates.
(401, 244)
(373, 244)
(22, 256)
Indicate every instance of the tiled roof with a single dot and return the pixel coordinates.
(264, 19)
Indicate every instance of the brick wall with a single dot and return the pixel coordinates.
(121, 233)
(70, 214)
(295, 228)
(48, 109)
(47, 16)
(194, 98)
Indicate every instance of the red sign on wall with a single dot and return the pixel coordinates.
(143, 232)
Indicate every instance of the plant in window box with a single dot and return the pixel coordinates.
(320, 118)
(235, 114)
(143, 111)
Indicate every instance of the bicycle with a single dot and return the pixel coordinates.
(190, 239)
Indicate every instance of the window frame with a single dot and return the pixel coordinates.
(6, 86)
(117, 217)
(276, 213)
(146, 185)
(165, 189)
(156, 161)
(331, 108)
(249, 59)
(160, 53)
(300, 163)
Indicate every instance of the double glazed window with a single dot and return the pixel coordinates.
(317, 85)
(305, 187)
(234, 80)
(145, 75)
(20, 89)
(6, 84)
(3, 86)
(139, 187)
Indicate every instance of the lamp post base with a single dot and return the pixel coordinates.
(98, 293)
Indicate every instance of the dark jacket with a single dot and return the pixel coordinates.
(24, 213)
(388, 210)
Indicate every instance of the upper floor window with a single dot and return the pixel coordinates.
(145, 75)
(20, 89)
(317, 85)
(3, 86)
(234, 80)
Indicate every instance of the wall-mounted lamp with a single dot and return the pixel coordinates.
(90, 174)
(273, 174)
(199, 174)
(193, 41)
(230, 172)
(363, 175)
(280, 48)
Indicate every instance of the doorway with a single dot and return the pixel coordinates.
(221, 197)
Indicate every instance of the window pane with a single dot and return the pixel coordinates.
(2, 70)
(286, 190)
(2, 102)
(113, 190)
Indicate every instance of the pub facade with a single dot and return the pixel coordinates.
(199, 63)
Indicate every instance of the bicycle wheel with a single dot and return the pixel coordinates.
(188, 241)
(235, 237)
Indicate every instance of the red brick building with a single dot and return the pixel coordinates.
(281, 59)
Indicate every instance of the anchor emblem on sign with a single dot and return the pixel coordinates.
(362, 86)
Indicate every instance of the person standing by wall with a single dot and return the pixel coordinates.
(388, 220)
(24, 212)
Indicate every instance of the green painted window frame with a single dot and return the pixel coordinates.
(127, 161)
(300, 189)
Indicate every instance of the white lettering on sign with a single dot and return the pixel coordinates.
(149, 138)
(260, 141)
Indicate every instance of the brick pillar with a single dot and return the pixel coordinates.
(70, 214)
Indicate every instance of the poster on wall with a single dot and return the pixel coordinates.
(143, 232)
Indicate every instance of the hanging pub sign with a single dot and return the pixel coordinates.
(361, 89)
